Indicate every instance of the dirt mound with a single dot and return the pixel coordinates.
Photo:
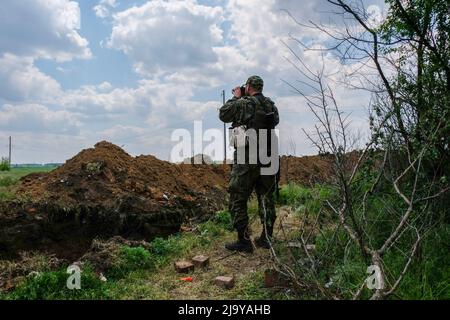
(307, 170)
(106, 173)
(103, 191)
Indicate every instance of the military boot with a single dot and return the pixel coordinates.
(262, 241)
(243, 243)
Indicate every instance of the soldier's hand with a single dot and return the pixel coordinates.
(236, 92)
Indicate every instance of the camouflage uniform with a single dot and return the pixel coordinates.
(247, 177)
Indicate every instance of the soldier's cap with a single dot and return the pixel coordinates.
(256, 82)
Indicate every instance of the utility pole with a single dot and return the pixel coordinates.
(224, 135)
(9, 158)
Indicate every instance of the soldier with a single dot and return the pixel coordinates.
(252, 110)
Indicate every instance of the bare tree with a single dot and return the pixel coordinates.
(395, 117)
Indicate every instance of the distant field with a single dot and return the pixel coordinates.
(10, 178)
(17, 173)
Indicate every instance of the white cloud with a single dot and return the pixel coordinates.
(103, 8)
(181, 50)
(37, 118)
(22, 81)
(42, 29)
(167, 35)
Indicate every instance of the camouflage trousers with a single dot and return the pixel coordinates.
(244, 179)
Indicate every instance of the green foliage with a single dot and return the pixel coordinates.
(163, 249)
(223, 219)
(305, 200)
(341, 264)
(53, 285)
(215, 227)
(178, 245)
(429, 277)
(7, 181)
(252, 288)
(344, 269)
(131, 259)
(209, 230)
(4, 164)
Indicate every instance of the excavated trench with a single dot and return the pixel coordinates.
(104, 192)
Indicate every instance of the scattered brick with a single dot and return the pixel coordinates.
(224, 282)
(184, 266)
(200, 261)
(273, 278)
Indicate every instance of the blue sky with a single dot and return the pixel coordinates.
(73, 73)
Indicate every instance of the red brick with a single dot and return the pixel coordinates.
(224, 282)
(200, 261)
(184, 266)
(273, 278)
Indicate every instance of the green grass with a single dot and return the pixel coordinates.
(147, 274)
(130, 260)
(305, 199)
(52, 285)
(428, 277)
(4, 164)
(131, 275)
(17, 173)
(341, 260)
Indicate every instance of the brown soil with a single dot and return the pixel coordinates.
(310, 170)
(307, 170)
(103, 191)
(105, 173)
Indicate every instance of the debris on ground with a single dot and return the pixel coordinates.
(184, 266)
(104, 254)
(224, 282)
(187, 279)
(273, 278)
(200, 261)
(13, 273)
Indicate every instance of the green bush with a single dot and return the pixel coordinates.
(131, 259)
(223, 219)
(4, 165)
(7, 181)
(305, 199)
(53, 285)
(427, 278)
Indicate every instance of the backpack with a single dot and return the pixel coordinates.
(264, 115)
(263, 118)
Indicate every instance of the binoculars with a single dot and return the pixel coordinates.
(242, 88)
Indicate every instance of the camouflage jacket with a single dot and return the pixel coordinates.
(240, 111)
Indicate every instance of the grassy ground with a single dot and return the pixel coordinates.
(144, 274)
(149, 274)
(17, 173)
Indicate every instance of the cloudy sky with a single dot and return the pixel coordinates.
(73, 73)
